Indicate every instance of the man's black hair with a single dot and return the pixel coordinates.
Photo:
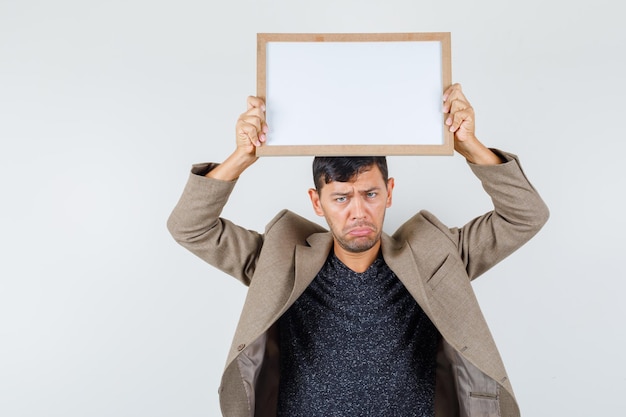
(327, 169)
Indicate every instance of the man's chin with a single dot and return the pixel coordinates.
(358, 245)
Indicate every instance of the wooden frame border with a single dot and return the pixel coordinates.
(447, 148)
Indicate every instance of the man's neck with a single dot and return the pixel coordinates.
(357, 261)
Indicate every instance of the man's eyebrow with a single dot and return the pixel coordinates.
(365, 191)
(339, 193)
(369, 190)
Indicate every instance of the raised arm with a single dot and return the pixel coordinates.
(195, 222)
(519, 212)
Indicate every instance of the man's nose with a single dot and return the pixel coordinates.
(358, 208)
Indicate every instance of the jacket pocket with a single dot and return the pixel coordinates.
(442, 272)
(484, 404)
(484, 395)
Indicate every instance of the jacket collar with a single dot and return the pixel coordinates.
(399, 257)
(310, 259)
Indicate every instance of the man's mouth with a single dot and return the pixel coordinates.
(360, 231)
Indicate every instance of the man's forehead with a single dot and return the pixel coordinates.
(365, 180)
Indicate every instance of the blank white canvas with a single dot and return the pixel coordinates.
(354, 93)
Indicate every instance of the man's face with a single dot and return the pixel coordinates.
(355, 210)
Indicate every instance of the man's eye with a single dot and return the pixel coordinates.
(372, 194)
(341, 199)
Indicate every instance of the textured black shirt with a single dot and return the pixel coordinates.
(356, 344)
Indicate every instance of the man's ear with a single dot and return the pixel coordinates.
(390, 184)
(315, 200)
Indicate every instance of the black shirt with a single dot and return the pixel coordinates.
(356, 344)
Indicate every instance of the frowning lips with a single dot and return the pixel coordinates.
(360, 229)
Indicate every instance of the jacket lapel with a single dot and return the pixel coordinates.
(309, 261)
(400, 259)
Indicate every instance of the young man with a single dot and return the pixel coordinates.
(352, 321)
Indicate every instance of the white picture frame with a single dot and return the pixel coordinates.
(354, 94)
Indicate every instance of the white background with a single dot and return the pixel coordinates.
(105, 105)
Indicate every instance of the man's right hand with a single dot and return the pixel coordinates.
(250, 132)
(251, 127)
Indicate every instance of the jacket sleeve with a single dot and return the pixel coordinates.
(195, 223)
(518, 214)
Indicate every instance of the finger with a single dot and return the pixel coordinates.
(255, 102)
(252, 122)
(256, 118)
(248, 134)
(452, 94)
(251, 126)
(255, 121)
(449, 95)
(254, 111)
(458, 105)
(458, 110)
(454, 104)
(450, 89)
(456, 119)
